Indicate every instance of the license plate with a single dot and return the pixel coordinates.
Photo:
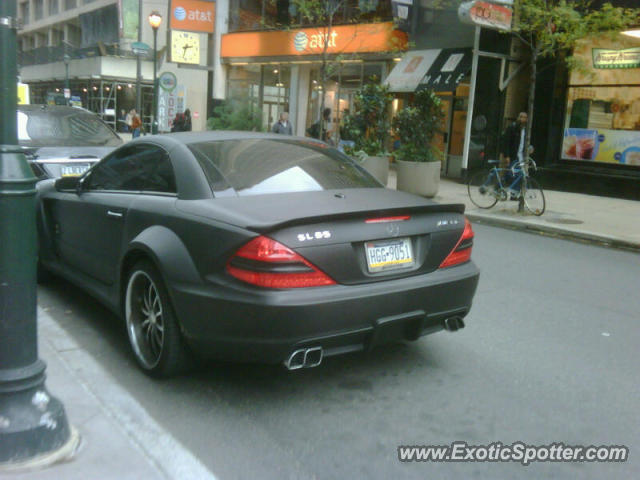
(388, 255)
(73, 170)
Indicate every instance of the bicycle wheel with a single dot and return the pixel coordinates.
(533, 197)
(483, 189)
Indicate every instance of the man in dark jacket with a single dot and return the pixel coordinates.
(512, 148)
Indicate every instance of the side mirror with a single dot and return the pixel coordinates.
(67, 184)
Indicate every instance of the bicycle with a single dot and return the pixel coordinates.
(487, 188)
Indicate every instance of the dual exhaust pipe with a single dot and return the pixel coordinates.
(452, 324)
(304, 358)
(312, 357)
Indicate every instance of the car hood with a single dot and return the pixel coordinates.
(62, 154)
(262, 213)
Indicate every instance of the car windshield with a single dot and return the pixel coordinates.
(67, 127)
(259, 166)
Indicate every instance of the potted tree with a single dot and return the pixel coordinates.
(368, 127)
(418, 160)
(235, 116)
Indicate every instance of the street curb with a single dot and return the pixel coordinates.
(593, 238)
(146, 437)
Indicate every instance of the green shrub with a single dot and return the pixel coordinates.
(415, 127)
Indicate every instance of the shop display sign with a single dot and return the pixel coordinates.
(169, 104)
(167, 81)
(608, 58)
(602, 145)
(361, 38)
(487, 14)
(192, 15)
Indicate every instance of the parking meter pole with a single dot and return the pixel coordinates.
(32, 423)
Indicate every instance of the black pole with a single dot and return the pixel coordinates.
(154, 128)
(66, 59)
(32, 422)
(139, 65)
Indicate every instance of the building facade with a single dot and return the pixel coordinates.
(89, 44)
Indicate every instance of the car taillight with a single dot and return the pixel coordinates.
(462, 251)
(267, 263)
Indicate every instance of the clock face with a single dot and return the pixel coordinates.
(185, 47)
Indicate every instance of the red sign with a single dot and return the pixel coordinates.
(192, 15)
(487, 14)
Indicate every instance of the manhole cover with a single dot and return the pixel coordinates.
(565, 221)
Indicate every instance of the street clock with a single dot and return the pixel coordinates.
(185, 47)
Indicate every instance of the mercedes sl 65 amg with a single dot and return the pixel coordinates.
(254, 247)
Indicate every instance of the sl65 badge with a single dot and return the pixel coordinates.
(303, 237)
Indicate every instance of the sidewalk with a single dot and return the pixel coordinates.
(601, 220)
(119, 440)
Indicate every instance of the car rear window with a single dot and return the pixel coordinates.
(73, 128)
(259, 166)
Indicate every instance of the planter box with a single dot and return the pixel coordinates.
(421, 178)
(378, 167)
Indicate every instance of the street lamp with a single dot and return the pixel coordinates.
(66, 59)
(155, 19)
(32, 422)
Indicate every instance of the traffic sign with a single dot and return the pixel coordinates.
(140, 48)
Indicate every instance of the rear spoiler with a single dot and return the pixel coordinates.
(435, 208)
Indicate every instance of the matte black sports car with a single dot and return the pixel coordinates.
(62, 141)
(255, 247)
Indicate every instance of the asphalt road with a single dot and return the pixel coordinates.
(550, 354)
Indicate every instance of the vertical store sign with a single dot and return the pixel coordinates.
(171, 100)
(192, 16)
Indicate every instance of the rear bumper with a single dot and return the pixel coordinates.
(235, 322)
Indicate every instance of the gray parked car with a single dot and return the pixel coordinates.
(62, 141)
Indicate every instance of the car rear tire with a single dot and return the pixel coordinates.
(152, 327)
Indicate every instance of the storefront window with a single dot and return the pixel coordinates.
(264, 87)
(248, 15)
(345, 80)
(602, 122)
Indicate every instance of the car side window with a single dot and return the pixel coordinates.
(119, 171)
(137, 168)
(157, 170)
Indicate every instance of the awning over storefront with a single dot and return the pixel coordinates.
(446, 71)
(406, 75)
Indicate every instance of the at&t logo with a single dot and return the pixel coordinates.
(300, 41)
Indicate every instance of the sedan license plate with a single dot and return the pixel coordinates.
(389, 255)
(73, 170)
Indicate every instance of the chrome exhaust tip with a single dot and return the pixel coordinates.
(313, 357)
(304, 358)
(453, 324)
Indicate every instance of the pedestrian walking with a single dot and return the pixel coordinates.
(186, 126)
(283, 125)
(323, 124)
(136, 124)
(128, 120)
(178, 123)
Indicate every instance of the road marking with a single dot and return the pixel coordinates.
(158, 445)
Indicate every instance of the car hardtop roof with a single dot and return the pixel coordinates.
(189, 138)
(59, 109)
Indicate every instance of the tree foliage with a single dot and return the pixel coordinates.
(368, 125)
(550, 28)
(235, 116)
(416, 125)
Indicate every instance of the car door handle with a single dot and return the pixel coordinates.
(114, 214)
